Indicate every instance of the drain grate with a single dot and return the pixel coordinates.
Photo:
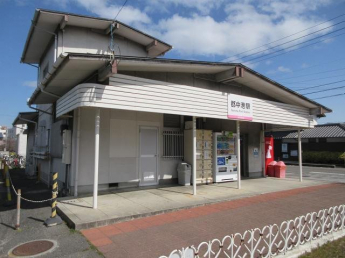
(33, 248)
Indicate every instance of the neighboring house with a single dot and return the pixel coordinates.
(17, 139)
(110, 120)
(28, 120)
(3, 138)
(325, 137)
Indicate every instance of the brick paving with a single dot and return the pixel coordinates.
(159, 235)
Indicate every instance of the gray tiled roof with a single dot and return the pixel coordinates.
(319, 131)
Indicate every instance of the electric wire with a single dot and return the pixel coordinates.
(270, 57)
(283, 77)
(327, 71)
(123, 5)
(111, 45)
(267, 44)
(315, 79)
(284, 49)
(335, 88)
(331, 96)
(317, 86)
(267, 49)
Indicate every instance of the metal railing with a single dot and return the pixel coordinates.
(271, 240)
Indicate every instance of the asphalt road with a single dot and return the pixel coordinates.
(317, 173)
(70, 242)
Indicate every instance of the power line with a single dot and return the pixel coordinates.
(285, 37)
(324, 90)
(315, 79)
(330, 96)
(123, 5)
(290, 42)
(328, 71)
(317, 86)
(248, 61)
(280, 50)
(308, 67)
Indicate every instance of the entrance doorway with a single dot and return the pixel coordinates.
(148, 155)
(244, 155)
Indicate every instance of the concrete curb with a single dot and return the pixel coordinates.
(314, 244)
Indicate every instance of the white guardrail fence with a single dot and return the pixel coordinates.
(271, 240)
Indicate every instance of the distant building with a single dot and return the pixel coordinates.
(3, 137)
(325, 137)
(17, 139)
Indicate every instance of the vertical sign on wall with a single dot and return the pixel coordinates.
(240, 107)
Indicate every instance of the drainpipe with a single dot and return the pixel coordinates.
(77, 155)
(37, 109)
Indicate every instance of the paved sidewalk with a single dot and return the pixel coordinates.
(159, 235)
(116, 206)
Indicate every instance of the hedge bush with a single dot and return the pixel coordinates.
(323, 157)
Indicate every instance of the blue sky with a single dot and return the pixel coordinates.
(201, 30)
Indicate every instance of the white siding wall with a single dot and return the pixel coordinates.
(137, 94)
(119, 141)
(48, 59)
(83, 40)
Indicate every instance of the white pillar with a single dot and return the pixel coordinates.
(262, 149)
(238, 147)
(76, 160)
(300, 156)
(194, 156)
(95, 180)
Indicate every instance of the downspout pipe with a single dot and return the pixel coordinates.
(37, 109)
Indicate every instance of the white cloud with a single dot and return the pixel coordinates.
(203, 6)
(245, 27)
(105, 9)
(32, 84)
(284, 69)
(193, 31)
(268, 62)
(304, 65)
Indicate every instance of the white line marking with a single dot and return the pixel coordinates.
(338, 174)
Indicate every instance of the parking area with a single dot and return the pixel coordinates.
(317, 173)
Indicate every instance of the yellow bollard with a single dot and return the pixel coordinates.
(54, 218)
(8, 186)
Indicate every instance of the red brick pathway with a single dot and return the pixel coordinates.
(159, 235)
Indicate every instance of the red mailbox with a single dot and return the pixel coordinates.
(280, 169)
(269, 152)
(270, 168)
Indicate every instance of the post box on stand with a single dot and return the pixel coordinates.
(269, 152)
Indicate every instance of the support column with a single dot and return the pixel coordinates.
(194, 156)
(76, 160)
(95, 179)
(238, 147)
(300, 156)
(262, 149)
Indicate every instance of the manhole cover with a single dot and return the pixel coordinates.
(33, 248)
